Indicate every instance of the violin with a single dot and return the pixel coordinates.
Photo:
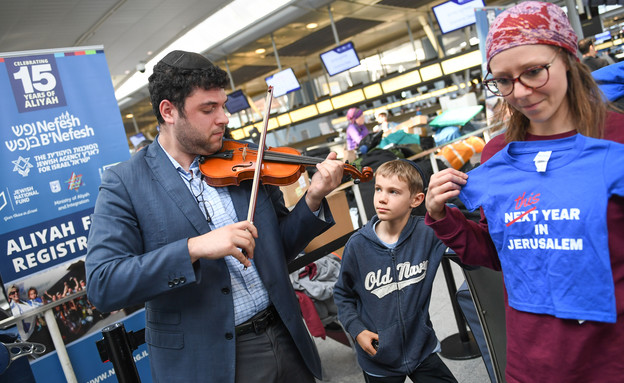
(281, 166)
(236, 162)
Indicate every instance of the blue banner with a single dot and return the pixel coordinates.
(61, 128)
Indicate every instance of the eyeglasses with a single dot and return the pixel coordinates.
(532, 78)
(12, 292)
(201, 201)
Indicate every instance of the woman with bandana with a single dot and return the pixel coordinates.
(564, 300)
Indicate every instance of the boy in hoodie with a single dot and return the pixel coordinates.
(386, 277)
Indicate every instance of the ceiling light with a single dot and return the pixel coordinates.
(129, 115)
(346, 99)
(462, 62)
(283, 119)
(324, 106)
(311, 25)
(232, 19)
(430, 72)
(400, 82)
(260, 51)
(239, 134)
(372, 91)
(303, 113)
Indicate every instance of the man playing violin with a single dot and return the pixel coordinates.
(218, 300)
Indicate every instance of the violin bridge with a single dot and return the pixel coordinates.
(244, 153)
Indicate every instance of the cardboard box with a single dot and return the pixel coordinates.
(292, 193)
(415, 125)
(417, 130)
(419, 120)
(339, 207)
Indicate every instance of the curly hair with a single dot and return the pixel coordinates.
(585, 98)
(176, 84)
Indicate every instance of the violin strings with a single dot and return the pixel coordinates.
(290, 158)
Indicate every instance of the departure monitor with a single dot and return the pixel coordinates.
(283, 82)
(456, 14)
(340, 59)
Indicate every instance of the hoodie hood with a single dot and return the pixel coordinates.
(368, 231)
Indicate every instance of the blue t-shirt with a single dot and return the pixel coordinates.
(549, 227)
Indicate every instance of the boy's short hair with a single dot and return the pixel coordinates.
(406, 171)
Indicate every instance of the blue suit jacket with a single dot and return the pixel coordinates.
(138, 253)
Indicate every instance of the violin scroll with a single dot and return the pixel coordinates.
(359, 176)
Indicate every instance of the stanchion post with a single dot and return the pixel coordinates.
(59, 345)
(462, 345)
(117, 348)
(360, 203)
(434, 162)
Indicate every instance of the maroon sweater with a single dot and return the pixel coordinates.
(543, 348)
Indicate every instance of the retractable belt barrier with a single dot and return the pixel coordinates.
(117, 347)
(319, 253)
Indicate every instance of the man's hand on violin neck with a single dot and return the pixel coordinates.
(326, 179)
(236, 240)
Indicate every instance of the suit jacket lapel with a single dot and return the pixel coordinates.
(170, 180)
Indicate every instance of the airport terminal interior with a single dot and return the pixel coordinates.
(419, 63)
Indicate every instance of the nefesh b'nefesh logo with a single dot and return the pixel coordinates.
(36, 83)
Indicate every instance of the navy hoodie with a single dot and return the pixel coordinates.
(387, 291)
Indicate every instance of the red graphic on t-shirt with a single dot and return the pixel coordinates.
(522, 202)
(521, 215)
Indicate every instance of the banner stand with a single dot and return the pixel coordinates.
(61, 130)
(61, 351)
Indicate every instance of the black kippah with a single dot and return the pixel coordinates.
(420, 172)
(187, 60)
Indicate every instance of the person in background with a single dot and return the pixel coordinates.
(385, 283)
(590, 56)
(355, 132)
(382, 122)
(33, 298)
(555, 106)
(26, 325)
(142, 144)
(356, 129)
(67, 289)
(219, 304)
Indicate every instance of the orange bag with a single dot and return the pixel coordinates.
(455, 155)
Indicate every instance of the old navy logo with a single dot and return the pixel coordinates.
(408, 274)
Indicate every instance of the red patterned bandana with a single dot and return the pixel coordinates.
(530, 23)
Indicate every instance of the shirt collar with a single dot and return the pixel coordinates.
(194, 168)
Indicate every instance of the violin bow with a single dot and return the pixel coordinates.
(259, 156)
